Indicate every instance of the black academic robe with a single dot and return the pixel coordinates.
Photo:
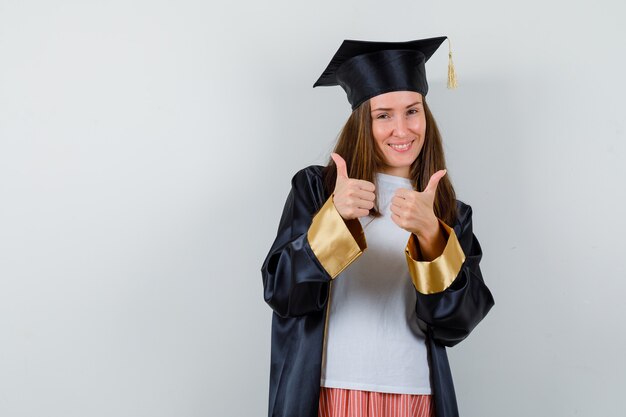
(296, 286)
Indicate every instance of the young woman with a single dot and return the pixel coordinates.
(375, 268)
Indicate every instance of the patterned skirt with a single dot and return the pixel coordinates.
(339, 402)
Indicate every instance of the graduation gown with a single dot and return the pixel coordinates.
(313, 245)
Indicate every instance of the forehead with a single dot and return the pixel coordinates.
(395, 99)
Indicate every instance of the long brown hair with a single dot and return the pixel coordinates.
(357, 146)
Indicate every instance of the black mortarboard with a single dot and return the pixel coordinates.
(366, 69)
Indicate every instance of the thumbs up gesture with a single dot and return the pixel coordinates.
(413, 210)
(353, 198)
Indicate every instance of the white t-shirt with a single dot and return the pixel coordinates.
(373, 342)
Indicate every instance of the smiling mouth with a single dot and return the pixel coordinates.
(401, 147)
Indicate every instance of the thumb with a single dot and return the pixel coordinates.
(434, 180)
(342, 170)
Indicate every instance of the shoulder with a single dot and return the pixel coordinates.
(308, 186)
(463, 218)
(463, 211)
(308, 178)
(312, 173)
(464, 227)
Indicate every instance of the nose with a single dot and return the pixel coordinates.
(400, 129)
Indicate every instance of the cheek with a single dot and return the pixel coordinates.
(419, 125)
(380, 133)
(419, 147)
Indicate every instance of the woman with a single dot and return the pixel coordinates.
(375, 268)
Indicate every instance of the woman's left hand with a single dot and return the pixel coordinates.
(413, 210)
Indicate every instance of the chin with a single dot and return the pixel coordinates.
(404, 163)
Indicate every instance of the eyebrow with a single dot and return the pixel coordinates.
(387, 109)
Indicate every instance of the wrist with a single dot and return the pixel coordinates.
(432, 243)
(430, 233)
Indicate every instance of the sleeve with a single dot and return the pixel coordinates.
(311, 248)
(452, 297)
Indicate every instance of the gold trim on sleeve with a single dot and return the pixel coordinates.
(335, 242)
(437, 275)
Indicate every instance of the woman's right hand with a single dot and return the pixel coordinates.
(353, 198)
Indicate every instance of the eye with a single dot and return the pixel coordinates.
(382, 116)
(412, 111)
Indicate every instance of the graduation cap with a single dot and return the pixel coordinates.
(365, 69)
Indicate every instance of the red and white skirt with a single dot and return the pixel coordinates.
(339, 402)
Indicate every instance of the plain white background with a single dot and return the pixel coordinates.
(147, 147)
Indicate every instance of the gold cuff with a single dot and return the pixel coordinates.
(437, 275)
(335, 242)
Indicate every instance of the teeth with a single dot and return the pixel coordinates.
(401, 147)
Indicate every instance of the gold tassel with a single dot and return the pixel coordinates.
(451, 73)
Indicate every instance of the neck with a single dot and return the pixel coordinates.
(403, 172)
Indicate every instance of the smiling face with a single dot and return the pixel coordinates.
(398, 126)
